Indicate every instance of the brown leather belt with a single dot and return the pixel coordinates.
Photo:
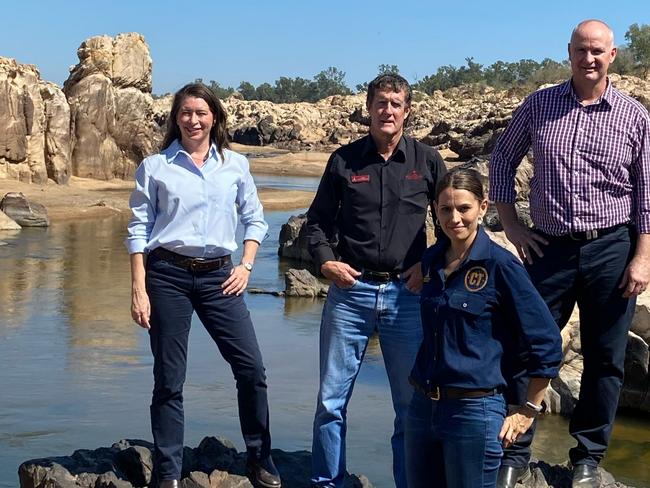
(452, 393)
(191, 264)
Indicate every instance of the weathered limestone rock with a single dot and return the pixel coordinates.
(301, 283)
(31, 146)
(292, 241)
(24, 213)
(215, 463)
(111, 107)
(7, 223)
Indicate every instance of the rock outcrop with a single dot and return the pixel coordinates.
(111, 107)
(34, 126)
(215, 463)
(24, 213)
(107, 121)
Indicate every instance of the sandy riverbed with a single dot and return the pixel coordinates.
(88, 198)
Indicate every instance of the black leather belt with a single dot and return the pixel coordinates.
(452, 393)
(588, 235)
(379, 276)
(191, 264)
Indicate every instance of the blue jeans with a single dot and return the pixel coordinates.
(454, 443)
(350, 317)
(174, 294)
(586, 272)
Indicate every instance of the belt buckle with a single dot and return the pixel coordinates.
(434, 394)
(195, 263)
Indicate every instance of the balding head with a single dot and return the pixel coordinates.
(591, 27)
(591, 51)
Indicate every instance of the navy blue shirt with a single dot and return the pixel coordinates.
(482, 315)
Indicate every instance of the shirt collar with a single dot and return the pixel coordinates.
(176, 148)
(480, 250)
(370, 148)
(567, 89)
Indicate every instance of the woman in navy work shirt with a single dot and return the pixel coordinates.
(479, 308)
(185, 207)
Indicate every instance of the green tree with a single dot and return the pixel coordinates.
(265, 92)
(330, 82)
(638, 38)
(247, 90)
(220, 91)
(384, 69)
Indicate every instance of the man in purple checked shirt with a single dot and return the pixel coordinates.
(590, 205)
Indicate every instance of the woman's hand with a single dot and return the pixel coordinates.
(140, 307)
(515, 424)
(237, 281)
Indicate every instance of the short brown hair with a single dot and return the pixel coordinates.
(389, 81)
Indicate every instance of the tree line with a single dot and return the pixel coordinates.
(527, 74)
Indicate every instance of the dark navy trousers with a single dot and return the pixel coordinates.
(175, 294)
(589, 273)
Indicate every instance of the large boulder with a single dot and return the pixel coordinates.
(293, 240)
(112, 110)
(34, 126)
(24, 213)
(301, 283)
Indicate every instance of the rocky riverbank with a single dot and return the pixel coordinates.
(105, 120)
(215, 463)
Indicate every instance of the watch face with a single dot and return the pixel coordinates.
(248, 266)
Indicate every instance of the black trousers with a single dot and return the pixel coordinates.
(589, 273)
(174, 294)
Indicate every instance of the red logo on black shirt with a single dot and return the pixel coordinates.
(414, 175)
(360, 178)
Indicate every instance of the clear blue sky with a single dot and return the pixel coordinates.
(260, 41)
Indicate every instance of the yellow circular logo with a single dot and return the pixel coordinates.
(476, 278)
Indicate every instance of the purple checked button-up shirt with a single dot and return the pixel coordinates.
(591, 163)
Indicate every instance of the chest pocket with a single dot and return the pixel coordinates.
(413, 196)
(470, 303)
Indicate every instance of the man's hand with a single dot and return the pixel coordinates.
(237, 281)
(342, 274)
(525, 241)
(637, 274)
(413, 277)
(636, 277)
(515, 424)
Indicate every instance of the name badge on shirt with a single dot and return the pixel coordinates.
(414, 175)
(476, 278)
(360, 178)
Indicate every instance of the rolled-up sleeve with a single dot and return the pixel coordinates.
(641, 176)
(250, 208)
(511, 147)
(526, 309)
(143, 208)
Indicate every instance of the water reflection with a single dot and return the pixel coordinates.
(76, 372)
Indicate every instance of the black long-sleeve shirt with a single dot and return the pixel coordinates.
(377, 207)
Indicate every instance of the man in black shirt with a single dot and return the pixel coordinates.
(373, 196)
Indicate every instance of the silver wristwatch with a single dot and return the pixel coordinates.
(248, 265)
(535, 408)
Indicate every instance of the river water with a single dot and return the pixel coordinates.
(75, 372)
